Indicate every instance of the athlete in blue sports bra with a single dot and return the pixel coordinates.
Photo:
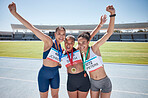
(48, 74)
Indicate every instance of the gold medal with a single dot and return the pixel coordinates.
(73, 69)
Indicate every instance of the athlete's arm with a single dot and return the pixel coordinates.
(39, 34)
(110, 29)
(98, 27)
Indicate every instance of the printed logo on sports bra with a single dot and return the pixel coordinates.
(76, 58)
(93, 64)
(53, 55)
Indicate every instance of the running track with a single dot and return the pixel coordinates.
(18, 79)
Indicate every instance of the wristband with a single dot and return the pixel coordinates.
(112, 15)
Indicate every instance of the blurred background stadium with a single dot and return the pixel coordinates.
(130, 32)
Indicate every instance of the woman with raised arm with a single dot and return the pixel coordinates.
(92, 61)
(78, 83)
(49, 73)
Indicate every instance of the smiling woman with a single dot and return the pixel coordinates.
(50, 65)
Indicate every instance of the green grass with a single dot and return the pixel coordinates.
(115, 52)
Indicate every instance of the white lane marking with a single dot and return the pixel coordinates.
(18, 79)
(21, 80)
(130, 92)
(19, 68)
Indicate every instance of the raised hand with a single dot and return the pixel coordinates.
(12, 7)
(110, 9)
(103, 19)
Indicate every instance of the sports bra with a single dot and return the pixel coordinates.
(45, 54)
(92, 54)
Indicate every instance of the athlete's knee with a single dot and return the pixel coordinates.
(44, 94)
(54, 95)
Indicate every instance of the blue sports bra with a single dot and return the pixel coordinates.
(46, 52)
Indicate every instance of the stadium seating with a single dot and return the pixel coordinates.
(28, 36)
(100, 35)
(146, 36)
(95, 38)
(139, 37)
(126, 37)
(6, 35)
(18, 35)
(114, 37)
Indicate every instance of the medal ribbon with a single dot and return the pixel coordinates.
(59, 51)
(84, 58)
(70, 59)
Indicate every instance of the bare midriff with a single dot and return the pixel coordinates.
(49, 63)
(98, 74)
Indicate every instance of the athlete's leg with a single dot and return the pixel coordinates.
(105, 95)
(44, 94)
(54, 93)
(43, 83)
(84, 85)
(107, 88)
(94, 94)
(82, 94)
(55, 83)
(73, 94)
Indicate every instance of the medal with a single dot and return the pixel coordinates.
(84, 74)
(84, 59)
(73, 69)
(59, 51)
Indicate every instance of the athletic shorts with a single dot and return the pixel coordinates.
(48, 76)
(104, 85)
(78, 82)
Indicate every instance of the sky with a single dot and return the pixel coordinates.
(72, 12)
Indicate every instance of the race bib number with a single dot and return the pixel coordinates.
(53, 55)
(76, 58)
(93, 64)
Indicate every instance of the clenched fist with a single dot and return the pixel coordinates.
(12, 7)
(110, 9)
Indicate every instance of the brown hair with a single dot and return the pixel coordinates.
(70, 36)
(60, 28)
(85, 35)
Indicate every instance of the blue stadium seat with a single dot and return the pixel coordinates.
(114, 37)
(139, 37)
(126, 37)
(28, 36)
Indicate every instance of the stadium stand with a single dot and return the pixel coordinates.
(115, 37)
(18, 35)
(100, 35)
(77, 29)
(126, 37)
(6, 35)
(28, 36)
(95, 38)
(140, 37)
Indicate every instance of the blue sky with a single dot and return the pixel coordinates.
(59, 12)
